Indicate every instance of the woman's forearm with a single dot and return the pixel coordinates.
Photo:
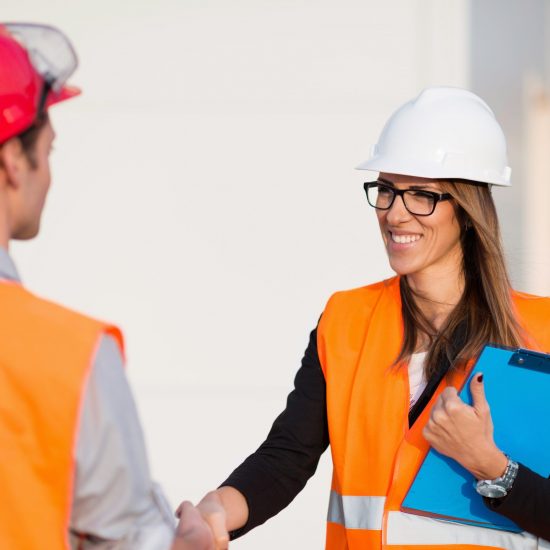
(235, 506)
(224, 510)
(527, 504)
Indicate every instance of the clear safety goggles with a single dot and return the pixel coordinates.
(50, 52)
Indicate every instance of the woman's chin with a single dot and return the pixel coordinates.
(403, 268)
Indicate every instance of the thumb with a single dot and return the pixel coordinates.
(478, 393)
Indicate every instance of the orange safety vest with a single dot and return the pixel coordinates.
(46, 352)
(375, 454)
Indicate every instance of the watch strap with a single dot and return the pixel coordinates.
(500, 486)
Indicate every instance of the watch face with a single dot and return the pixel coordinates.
(490, 490)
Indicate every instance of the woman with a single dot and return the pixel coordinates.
(383, 355)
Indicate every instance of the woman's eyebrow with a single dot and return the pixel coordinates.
(425, 187)
(417, 187)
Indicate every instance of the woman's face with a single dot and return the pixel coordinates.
(420, 244)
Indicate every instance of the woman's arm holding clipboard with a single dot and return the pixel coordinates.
(465, 433)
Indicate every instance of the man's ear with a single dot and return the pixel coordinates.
(13, 162)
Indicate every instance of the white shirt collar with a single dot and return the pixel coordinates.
(7, 267)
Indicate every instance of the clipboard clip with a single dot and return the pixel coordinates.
(532, 360)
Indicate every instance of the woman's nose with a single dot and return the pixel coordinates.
(397, 212)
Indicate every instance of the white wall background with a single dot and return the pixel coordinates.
(510, 67)
(204, 199)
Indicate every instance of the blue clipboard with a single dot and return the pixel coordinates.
(517, 386)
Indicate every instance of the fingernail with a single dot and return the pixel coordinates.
(480, 378)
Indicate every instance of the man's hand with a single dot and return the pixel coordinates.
(193, 532)
(465, 433)
(202, 527)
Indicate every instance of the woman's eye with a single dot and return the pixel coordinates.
(421, 195)
(383, 190)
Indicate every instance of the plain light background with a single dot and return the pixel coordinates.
(205, 200)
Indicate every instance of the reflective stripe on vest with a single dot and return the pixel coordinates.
(356, 512)
(413, 530)
(374, 452)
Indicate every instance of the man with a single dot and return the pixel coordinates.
(73, 470)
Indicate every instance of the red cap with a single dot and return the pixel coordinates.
(21, 87)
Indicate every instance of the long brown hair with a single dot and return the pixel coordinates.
(485, 312)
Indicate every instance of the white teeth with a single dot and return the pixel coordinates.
(403, 239)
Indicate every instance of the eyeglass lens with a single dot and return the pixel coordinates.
(417, 202)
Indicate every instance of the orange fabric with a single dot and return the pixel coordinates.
(373, 451)
(45, 355)
(433, 547)
(337, 537)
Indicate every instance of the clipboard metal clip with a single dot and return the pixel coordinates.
(530, 360)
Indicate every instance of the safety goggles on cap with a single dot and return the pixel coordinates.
(35, 63)
(50, 52)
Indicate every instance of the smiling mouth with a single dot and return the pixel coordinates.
(404, 239)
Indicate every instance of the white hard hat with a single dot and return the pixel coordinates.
(443, 133)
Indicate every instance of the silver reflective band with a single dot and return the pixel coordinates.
(411, 530)
(356, 512)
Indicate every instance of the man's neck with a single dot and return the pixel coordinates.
(5, 230)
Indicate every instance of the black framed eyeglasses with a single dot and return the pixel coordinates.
(418, 202)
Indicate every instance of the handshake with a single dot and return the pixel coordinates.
(202, 527)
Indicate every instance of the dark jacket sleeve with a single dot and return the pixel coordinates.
(527, 503)
(270, 478)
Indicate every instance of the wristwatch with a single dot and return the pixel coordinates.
(500, 486)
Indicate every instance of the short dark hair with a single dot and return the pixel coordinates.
(29, 137)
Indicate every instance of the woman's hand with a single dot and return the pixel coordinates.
(193, 533)
(220, 511)
(465, 433)
(213, 512)
(202, 527)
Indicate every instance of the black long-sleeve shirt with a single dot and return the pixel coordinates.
(271, 477)
(527, 503)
